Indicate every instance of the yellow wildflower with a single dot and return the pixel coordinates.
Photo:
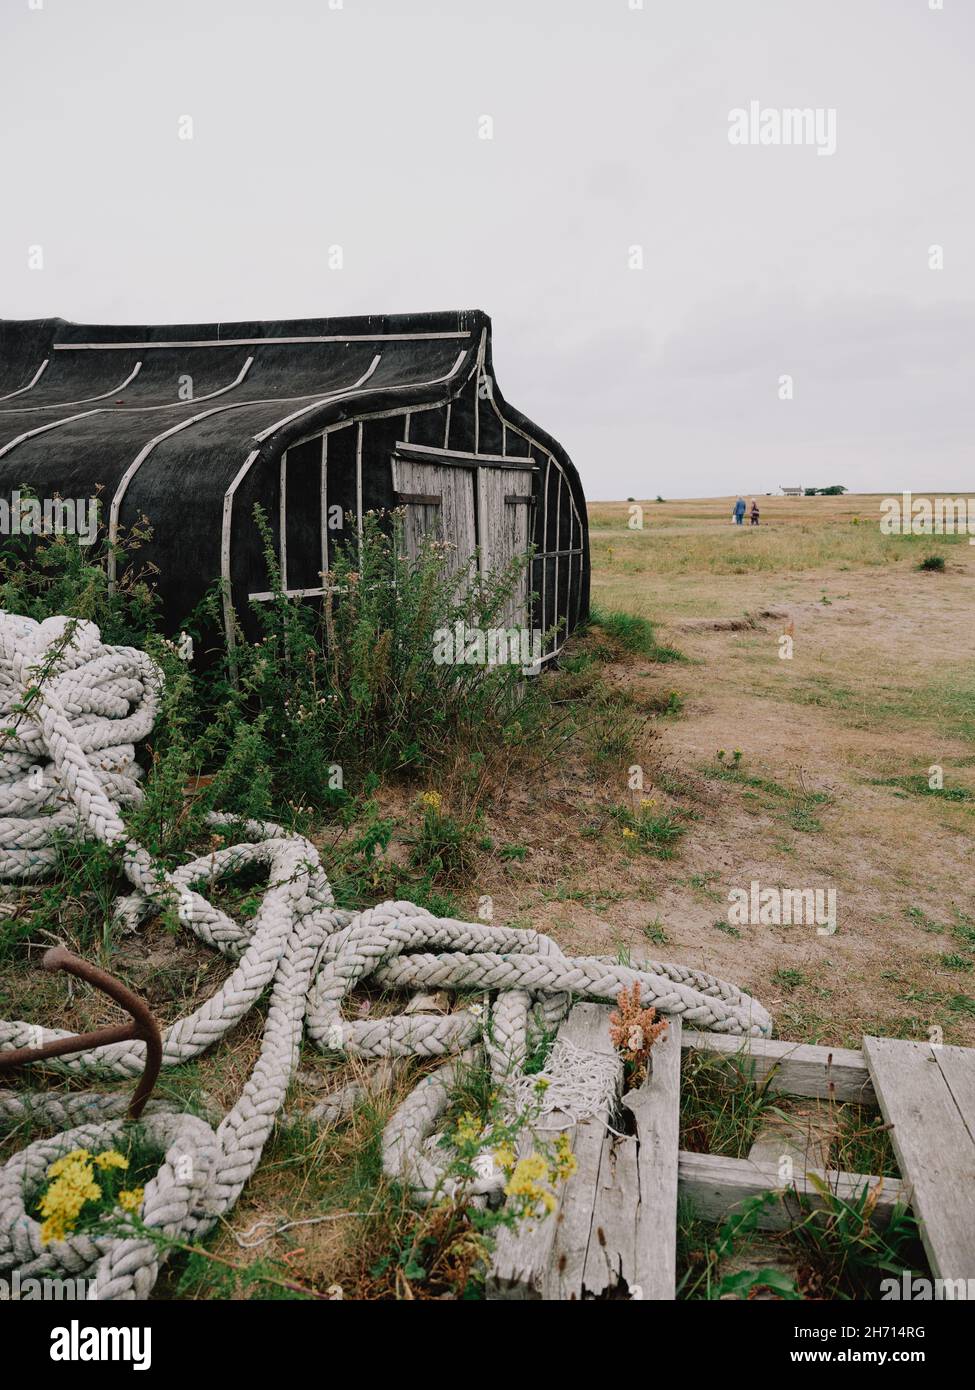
(468, 1129)
(528, 1172)
(75, 1157)
(53, 1229)
(432, 800)
(522, 1187)
(75, 1176)
(61, 1204)
(67, 1194)
(130, 1199)
(525, 1184)
(505, 1157)
(628, 834)
(564, 1162)
(110, 1158)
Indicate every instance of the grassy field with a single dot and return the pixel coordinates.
(795, 535)
(879, 689)
(748, 706)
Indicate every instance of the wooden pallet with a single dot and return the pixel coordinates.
(614, 1232)
(927, 1096)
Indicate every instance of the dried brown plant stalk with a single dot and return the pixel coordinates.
(634, 1030)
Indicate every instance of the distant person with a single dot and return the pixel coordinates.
(754, 511)
(739, 512)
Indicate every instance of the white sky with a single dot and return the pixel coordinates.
(359, 126)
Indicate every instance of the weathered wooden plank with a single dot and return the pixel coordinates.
(933, 1143)
(419, 499)
(716, 1185)
(830, 1073)
(658, 1131)
(957, 1066)
(804, 1138)
(523, 1257)
(633, 1240)
(504, 532)
(440, 503)
(573, 1221)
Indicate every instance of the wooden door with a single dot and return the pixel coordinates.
(438, 500)
(504, 509)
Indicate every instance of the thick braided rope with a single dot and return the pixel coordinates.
(67, 762)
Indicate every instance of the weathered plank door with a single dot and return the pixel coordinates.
(481, 508)
(504, 502)
(438, 500)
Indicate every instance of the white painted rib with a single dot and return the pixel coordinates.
(404, 446)
(30, 385)
(85, 400)
(283, 521)
(225, 529)
(147, 449)
(558, 542)
(228, 499)
(210, 395)
(545, 543)
(133, 469)
(305, 410)
(263, 342)
(323, 502)
(531, 441)
(479, 377)
(368, 415)
(358, 487)
(267, 595)
(551, 460)
(42, 429)
(360, 390)
(56, 424)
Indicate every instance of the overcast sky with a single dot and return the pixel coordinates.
(359, 126)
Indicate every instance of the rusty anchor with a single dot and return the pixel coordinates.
(142, 1027)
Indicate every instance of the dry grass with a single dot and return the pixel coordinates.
(880, 688)
(696, 538)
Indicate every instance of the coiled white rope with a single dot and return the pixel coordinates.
(71, 710)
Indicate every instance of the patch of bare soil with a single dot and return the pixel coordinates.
(742, 624)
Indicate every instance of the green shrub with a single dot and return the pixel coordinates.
(356, 685)
(443, 847)
(324, 694)
(44, 575)
(634, 634)
(654, 832)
